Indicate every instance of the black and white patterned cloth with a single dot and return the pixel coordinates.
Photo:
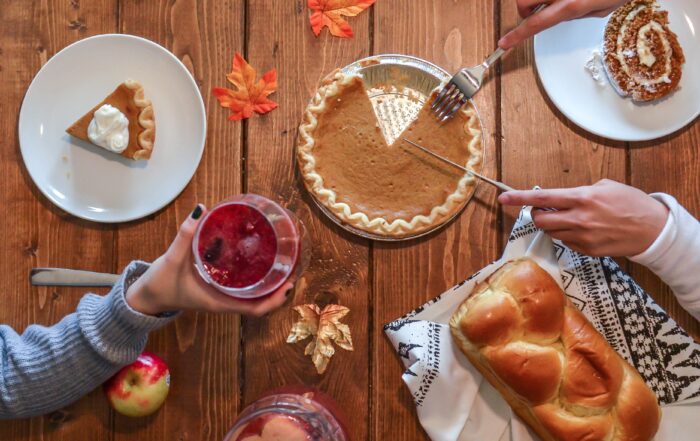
(635, 326)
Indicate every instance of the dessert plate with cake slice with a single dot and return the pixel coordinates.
(112, 128)
(355, 164)
(630, 76)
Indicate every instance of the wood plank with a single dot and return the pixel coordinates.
(39, 234)
(201, 349)
(280, 36)
(540, 145)
(670, 165)
(408, 274)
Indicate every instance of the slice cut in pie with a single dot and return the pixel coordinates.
(642, 55)
(123, 123)
(391, 190)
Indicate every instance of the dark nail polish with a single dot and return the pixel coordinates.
(197, 212)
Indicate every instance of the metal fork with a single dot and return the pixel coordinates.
(464, 84)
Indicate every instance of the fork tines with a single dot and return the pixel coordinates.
(448, 102)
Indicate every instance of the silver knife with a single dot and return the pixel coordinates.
(497, 184)
(70, 277)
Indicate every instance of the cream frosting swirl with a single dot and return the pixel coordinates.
(643, 50)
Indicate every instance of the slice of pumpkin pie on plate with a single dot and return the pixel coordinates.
(123, 123)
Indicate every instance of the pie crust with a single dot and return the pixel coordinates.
(130, 99)
(392, 222)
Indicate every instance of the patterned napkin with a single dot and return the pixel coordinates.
(452, 401)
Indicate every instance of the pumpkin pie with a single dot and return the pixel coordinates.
(123, 123)
(391, 190)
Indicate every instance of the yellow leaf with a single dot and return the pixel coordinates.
(324, 328)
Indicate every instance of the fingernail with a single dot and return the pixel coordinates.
(197, 212)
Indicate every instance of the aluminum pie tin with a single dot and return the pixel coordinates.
(398, 86)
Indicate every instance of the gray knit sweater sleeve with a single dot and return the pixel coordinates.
(45, 369)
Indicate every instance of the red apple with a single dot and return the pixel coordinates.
(140, 388)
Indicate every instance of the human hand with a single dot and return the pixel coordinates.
(555, 12)
(172, 283)
(604, 219)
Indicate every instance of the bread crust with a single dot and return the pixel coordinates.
(604, 413)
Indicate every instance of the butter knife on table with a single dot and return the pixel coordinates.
(70, 277)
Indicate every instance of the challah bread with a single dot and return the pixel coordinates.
(641, 54)
(549, 363)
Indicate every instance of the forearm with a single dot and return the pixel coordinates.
(675, 255)
(47, 368)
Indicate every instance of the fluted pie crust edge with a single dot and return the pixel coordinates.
(146, 119)
(330, 87)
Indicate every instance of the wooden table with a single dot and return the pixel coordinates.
(220, 363)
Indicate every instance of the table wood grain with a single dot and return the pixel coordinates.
(220, 363)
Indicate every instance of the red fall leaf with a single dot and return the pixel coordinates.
(331, 13)
(249, 96)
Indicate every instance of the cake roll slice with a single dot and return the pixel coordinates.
(641, 54)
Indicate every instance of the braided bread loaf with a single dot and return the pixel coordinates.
(549, 363)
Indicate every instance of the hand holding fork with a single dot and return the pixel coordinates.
(464, 85)
(467, 82)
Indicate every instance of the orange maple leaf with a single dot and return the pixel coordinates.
(330, 13)
(249, 96)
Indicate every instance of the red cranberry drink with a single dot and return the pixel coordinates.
(291, 414)
(248, 246)
(237, 246)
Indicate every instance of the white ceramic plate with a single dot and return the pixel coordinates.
(85, 180)
(562, 51)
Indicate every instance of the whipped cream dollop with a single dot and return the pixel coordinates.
(594, 67)
(109, 129)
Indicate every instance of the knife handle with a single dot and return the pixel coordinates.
(70, 277)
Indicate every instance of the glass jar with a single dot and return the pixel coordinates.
(290, 414)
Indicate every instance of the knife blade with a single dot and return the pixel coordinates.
(500, 185)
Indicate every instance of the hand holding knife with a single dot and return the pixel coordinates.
(500, 185)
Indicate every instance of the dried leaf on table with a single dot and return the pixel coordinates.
(307, 326)
(324, 328)
(331, 13)
(249, 96)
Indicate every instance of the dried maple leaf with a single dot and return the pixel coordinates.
(249, 96)
(324, 328)
(330, 13)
